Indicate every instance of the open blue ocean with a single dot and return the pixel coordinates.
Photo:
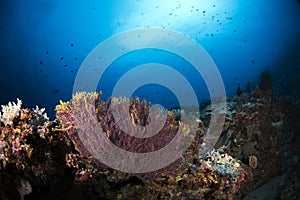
(235, 64)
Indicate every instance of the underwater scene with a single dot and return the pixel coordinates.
(146, 100)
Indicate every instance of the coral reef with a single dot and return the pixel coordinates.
(213, 176)
(43, 159)
(30, 150)
(222, 175)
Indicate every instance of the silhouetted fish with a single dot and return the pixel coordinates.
(54, 91)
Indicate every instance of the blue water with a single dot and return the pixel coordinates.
(44, 42)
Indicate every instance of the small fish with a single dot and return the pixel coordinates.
(41, 70)
(61, 58)
(238, 91)
(65, 65)
(252, 61)
(72, 44)
(55, 91)
(41, 62)
(47, 52)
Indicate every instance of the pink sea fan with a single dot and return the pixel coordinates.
(97, 124)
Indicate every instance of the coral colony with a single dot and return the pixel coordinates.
(40, 158)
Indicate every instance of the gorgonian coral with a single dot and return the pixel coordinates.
(87, 112)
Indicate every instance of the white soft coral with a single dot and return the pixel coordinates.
(10, 112)
(41, 112)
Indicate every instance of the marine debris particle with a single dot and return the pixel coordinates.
(71, 44)
(65, 65)
(41, 62)
(61, 58)
(253, 62)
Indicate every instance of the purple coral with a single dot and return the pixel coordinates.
(139, 112)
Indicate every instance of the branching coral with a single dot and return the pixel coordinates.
(10, 112)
